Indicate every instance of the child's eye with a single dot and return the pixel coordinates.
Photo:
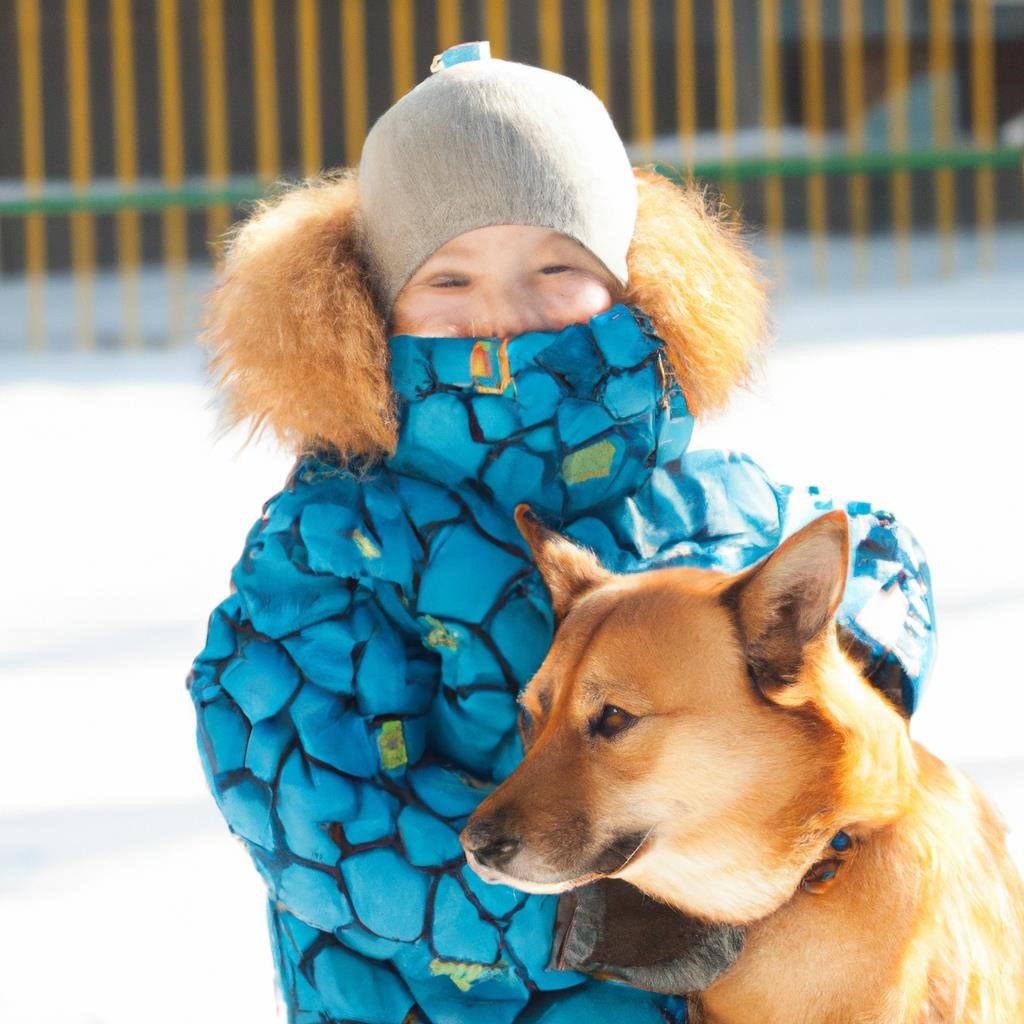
(558, 268)
(449, 282)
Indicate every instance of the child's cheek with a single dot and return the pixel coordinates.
(436, 313)
(582, 299)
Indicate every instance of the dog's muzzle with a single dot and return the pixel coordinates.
(497, 851)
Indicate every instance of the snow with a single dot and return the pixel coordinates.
(124, 510)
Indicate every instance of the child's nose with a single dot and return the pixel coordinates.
(511, 312)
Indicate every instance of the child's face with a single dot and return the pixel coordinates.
(502, 281)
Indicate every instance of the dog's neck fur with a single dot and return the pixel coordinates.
(861, 927)
(866, 786)
(873, 923)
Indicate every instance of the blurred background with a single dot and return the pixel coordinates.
(872, 149)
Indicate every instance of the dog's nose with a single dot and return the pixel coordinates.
(490, 843)
(496, 855)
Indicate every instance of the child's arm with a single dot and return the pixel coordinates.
(313, 698)
(736, 515)
(295, 751)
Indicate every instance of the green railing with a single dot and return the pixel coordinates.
(58, 201)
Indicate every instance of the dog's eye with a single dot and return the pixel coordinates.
(611, 721)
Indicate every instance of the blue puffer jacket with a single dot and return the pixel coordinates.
(357, 694)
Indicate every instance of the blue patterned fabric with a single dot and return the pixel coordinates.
(356, 696)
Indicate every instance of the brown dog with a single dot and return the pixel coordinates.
(704, 738)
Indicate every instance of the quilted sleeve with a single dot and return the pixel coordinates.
(316, 699)
(732, 514)
(311, 704)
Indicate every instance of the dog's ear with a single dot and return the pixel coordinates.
(568, 570)
(788, 600)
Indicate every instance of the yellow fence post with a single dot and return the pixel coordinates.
(641, 67)
(403, 61)
(725, 93)
(496, 27)
(984, 124)
(83, 225)
(307, 38)
(172, 162)
(353, 63)
(449, 23)
(33, 166)
(852, 19)
(549, 29)
(265, 91)
(897, 84)
(129, 243)
(597, 50)
(686, 82)
(813, 83)
(771, 115)
(940, 67)
(215, 115)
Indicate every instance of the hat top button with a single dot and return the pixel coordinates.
(462, 53)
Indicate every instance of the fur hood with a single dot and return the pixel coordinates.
(299, 346)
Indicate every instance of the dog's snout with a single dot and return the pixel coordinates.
(490, 842)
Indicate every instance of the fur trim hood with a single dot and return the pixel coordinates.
(299, 346)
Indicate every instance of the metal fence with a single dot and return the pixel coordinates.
(132, 130)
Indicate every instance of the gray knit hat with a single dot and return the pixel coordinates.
(484, 142)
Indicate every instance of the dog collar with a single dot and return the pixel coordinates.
(823, 873)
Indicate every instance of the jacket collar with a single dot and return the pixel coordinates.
(564, 420)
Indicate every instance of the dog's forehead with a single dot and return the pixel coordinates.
(632, 627)
(659, 601)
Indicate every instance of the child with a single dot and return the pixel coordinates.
(493, 310)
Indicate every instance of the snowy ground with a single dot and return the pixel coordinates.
(123, 898)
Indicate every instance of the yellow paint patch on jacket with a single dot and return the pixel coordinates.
(590, 463)
(465, 975)
(440, 635)
(489, 367)
(391, 744)
(366, 546)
